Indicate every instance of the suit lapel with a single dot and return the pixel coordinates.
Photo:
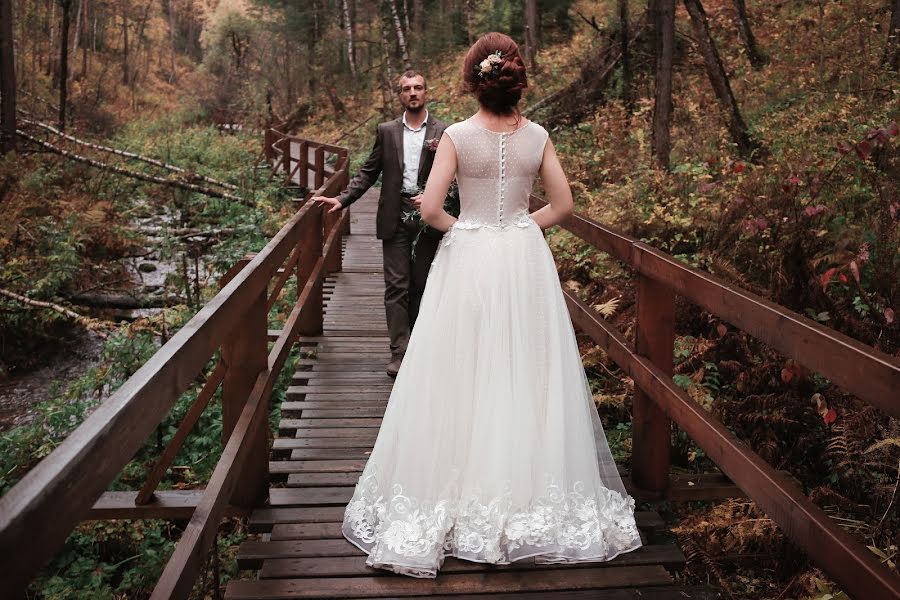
(429, 134)
(398, 142)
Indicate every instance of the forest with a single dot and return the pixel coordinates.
(755, 141)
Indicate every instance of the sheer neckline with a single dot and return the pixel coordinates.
(526, 124)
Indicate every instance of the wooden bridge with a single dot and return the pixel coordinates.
(294, 488)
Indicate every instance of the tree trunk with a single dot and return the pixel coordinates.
(719, 79)
(77, 40)
(531, 33)
(66, 5)
(125, 77)
(401, 37)
(757, 60)
(470, 20)
(406, 15)
(892, 49)
(348, 28)
(84, 44)
(626, 60)
(387, 94)
(663, 15)
(418, 21)
(7, 79)
(172, 25)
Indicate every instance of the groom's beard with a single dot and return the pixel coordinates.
(416, 110)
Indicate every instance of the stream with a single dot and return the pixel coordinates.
(79, 350)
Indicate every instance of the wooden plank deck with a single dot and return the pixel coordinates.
(330, 420)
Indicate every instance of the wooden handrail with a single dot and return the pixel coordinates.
(871, 375)
(863, 371)
(38, 513)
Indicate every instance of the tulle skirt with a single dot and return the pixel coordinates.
(491, 449)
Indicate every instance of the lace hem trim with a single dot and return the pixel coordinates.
(412, 536)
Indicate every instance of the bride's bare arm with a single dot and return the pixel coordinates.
(557, 188)
(442, 173)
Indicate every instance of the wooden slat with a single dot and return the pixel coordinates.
(323, 479)
(323, 496)
(263, 519)
(335, 432)
(667, 555)
(309, 443)
(509, 582)
(315, 466)
(353, 413)
(322, 423)
(285, 530)
(329, 453)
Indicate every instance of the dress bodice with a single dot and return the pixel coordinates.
(496, 172)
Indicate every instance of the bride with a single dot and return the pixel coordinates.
(491, 449)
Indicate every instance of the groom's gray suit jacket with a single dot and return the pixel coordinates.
(386, 159)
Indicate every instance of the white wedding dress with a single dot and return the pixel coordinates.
(491, 449)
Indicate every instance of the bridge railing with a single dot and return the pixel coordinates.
(872, 376)
(290, 158)
(70, 484)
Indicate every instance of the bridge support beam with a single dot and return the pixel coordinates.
(245, 354)
(311, 320)
(654, 339)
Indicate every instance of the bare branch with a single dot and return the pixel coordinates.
(176, 183)
(92, 324)
(129, 155)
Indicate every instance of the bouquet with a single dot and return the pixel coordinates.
(451, 206)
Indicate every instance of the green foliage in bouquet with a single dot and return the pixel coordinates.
(451, 206)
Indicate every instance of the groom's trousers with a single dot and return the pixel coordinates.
(404, 280)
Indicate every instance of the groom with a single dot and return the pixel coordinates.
(403, 154)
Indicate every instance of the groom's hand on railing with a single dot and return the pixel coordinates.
(334, 203)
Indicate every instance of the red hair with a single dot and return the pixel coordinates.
(499, 92)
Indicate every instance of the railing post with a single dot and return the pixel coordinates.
(245, 355)
(654, 339)
(345, 181)
(334, 261)
(320, 167)
(311, 320)
(304, 165)
(284, 143)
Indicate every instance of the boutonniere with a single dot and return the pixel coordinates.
(432, 144)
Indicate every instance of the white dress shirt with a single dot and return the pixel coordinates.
(413, 140)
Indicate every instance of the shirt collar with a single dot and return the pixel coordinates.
(425, 122)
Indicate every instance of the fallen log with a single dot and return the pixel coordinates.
(183, 232)
(124, 301)
(92, 324)
(130, 155)
(176, 183)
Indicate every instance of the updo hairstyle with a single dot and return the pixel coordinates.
(500, 88)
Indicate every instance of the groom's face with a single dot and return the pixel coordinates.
(413, 93)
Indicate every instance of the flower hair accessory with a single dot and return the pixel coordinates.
(489, 68)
